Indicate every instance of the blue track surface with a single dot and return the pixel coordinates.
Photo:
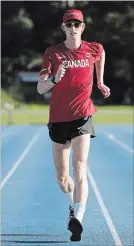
(34, 210)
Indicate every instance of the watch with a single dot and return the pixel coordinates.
(53, 79)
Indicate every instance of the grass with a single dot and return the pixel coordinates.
(22, 119)
(41, 117)
(39, 114)
(113, 118)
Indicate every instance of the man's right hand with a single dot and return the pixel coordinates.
(60, 73)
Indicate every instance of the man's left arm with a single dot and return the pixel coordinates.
(99, 65)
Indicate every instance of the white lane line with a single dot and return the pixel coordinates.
(104, 209)
(121, 144)
(21, 158)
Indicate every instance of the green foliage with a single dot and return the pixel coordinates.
(29, 27)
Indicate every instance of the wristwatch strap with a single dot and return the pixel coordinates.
(53, 79)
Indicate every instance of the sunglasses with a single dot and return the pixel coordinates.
(75, 24)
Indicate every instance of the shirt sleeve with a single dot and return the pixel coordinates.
(47, 65)
(97, 51)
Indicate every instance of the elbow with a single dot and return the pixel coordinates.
(103, 55)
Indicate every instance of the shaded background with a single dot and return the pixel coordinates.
(29, 27)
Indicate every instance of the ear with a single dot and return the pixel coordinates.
(63, 27)
(83, 28)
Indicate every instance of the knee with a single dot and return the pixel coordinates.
(80, 172)
(66, 184)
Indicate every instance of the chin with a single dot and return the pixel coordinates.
(73, 37)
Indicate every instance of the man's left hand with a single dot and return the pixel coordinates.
(105, 90)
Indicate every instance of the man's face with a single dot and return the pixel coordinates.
(73, 29)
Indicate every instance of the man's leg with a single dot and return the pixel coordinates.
(80, 147)
(61, 154)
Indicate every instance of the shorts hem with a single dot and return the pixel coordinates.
(81, 133)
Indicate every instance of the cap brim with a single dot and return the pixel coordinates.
(73, 20)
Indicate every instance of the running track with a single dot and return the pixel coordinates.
(34, 210)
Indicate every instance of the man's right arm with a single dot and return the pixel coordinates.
(44, 84)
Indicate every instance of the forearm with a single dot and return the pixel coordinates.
(44, 86)
(100, 68)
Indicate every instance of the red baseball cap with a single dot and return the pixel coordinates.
(73, 14)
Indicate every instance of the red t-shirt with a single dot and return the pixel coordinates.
(70, 98)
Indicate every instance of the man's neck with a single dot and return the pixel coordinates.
(73, 44)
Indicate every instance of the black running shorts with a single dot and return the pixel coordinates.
(61, 132)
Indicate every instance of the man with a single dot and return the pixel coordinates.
(67, 69)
